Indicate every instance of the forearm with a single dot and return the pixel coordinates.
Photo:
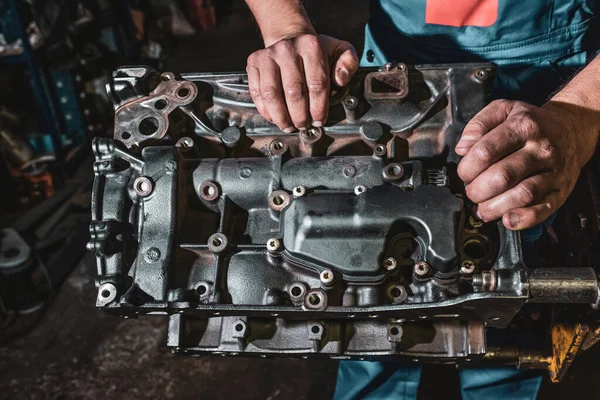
(581, 99)
(279, 19)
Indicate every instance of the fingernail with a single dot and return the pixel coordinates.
(317, 124)
(478, 214)
(289, 130)
(514, 220)
(342, 74)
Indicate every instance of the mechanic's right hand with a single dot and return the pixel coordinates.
(289, 80)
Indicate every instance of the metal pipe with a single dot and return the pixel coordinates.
(563, 285)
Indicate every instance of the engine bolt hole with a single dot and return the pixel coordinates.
(397, 293)
(209, 191)
(380, 150)
(148, 126)
(392, 172)
(203, 289)
(316, 299)
(183, 92)
(143, 186)
(297, 291)
(279, 200)
(277, 147)
(359, 190)
(476, 248)
(217, 242)
(160, 104)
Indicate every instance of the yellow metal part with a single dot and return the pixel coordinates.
(592, 338)
(566, 343)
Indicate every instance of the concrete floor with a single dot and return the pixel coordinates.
(76, 351)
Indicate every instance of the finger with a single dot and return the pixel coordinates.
(317, 82)
(485, 120)
(493, 146)
(254, 88)
(504, 175)
(527, 217)
(526, 193)
(271, 93)
(294, 89)
(345, 63)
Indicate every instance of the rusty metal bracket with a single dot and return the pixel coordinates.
(147, 118)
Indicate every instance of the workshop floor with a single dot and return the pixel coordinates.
(76, 351)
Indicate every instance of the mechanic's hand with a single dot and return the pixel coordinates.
(520, 161)
(289, 80)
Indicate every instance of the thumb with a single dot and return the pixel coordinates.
(345, 63)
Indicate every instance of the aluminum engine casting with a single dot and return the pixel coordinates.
(350, 241)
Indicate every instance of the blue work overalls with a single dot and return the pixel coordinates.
(537, 45)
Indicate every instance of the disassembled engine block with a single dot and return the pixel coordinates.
(354, 241)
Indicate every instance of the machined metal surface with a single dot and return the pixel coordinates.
(353, 240)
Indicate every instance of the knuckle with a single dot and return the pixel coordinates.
(484, 152)
(252, 59)
(546, 150)
(269, 93)
(527, 192)
(499, 102)
(472, 192)
(294, 91)
(504, 177)
(286, 47)
(255, 93)
(318, 87)
(310, 44)
(525, 122)
(502, 104)
(271, 52)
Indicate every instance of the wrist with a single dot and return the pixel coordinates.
(280, 19)
(580, 124)
(288, 32)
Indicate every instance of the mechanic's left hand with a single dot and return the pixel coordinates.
(520, 161)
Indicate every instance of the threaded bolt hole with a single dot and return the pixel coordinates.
(314, 299)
